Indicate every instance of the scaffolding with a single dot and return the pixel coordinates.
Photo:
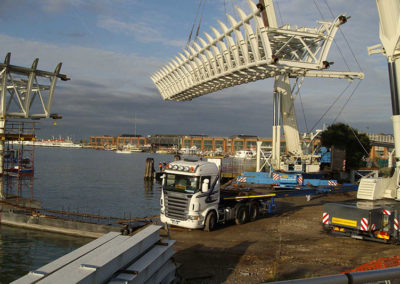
(19, 157)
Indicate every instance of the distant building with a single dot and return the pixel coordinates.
(104, 142)
(133, 140)
(382, 144)
(101, 142)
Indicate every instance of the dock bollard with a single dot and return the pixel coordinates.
(149, 170)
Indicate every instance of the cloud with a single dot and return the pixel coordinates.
(142, 31)
(108, 86)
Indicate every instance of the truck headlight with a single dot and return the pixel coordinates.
(193, 217)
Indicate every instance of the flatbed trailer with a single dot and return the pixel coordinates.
(287, 179)
(264, 199)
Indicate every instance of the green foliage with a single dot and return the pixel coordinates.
(344, 137)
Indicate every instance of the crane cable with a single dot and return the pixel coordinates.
(347, 65)
(329, 108)
(194, 23)
(296, 91)
(359, 82)
(304, 113)
(347, 101)
(279, 12)
(345, 39)
(358, 140)
(234, 12)
(334, 40)
(201, 18)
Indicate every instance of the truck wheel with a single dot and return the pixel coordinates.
(254, 211)
(211, 222)
(242, 215)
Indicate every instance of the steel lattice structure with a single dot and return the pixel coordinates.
(21, 87)
(249, 50)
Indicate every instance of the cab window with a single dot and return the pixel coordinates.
(181, 183)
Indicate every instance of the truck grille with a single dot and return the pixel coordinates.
(176, 205)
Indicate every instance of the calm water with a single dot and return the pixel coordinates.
(83, 180)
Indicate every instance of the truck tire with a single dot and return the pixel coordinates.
(254, 211)
(211, 221)
(242, 215)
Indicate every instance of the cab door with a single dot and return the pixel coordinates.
(210, 192)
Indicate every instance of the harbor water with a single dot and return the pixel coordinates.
(84, 181)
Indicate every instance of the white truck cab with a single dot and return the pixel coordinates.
(190, 194)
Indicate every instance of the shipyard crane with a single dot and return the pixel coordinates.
(251, 49)
(25, 93)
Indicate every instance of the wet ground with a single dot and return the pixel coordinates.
(287, 245)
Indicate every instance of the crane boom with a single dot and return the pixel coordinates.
(289, 120)
(389, 33)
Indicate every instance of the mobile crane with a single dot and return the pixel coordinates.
(376, 213)
(251, 49)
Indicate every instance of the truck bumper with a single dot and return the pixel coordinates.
(190, 224)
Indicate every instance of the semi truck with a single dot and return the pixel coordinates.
(375, 213)
(192, 196)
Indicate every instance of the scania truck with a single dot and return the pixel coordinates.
(192, 198)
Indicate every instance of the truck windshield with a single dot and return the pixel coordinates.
(181, 183)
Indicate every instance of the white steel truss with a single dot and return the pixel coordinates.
(249, 50)
(23, 95)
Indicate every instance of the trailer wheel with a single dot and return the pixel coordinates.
(242, 215)
(211, 222)
(254, 211)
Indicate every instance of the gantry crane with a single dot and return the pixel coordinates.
(251, 49)
(26, 93)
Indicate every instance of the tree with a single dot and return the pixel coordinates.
(344, 137)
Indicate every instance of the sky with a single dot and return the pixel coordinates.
(110, 48)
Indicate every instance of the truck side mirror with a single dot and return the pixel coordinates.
(204, 186)
(163, 178)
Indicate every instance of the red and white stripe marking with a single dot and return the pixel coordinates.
(332, 183)
(373, 227)
(364, 224)
(275, 176)
(300, 180)
(241, 179)
(396, 224)
(325, 218)
(386, 212)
